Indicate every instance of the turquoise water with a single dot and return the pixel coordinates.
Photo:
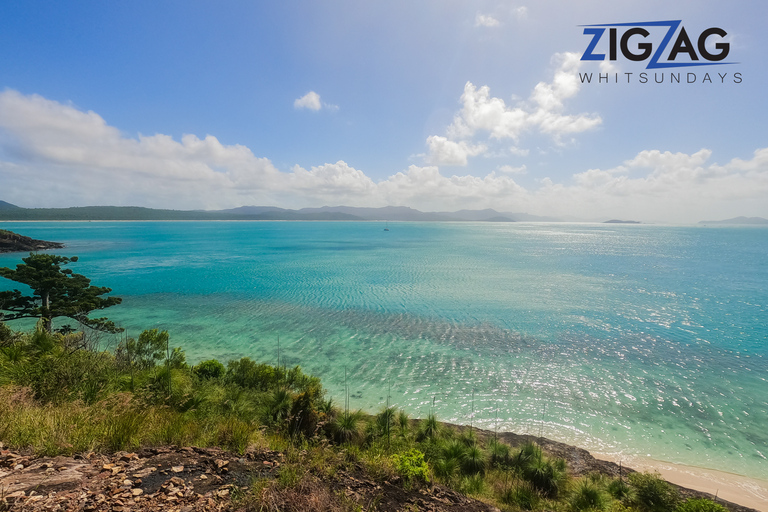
(631, 339)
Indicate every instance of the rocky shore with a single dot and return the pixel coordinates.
(13, 242)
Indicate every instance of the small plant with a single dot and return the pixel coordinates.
(522, 495)
(652, 494)
(500, 456)
(473, 462)
(411, 466)
(548, 477)
(345, 428)
(445, 469)
(587, 496)
(700, 505)
(620, 490)
(429, 428)
(472, 484)
(403, 423)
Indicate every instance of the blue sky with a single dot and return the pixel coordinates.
(435, 105)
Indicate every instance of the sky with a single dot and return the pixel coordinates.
(436, 105)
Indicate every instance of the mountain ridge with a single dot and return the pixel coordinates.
(9, 212)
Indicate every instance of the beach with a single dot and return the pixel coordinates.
(749, 492)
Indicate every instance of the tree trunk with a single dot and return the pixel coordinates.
(46, 312)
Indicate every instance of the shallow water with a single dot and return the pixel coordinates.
(644, 340)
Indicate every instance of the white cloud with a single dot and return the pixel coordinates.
(447, 152)
(520, 12)
(311, 100)
(483, 20)
(53, 154)
(544, 112)
(508, 169)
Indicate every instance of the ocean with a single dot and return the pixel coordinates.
(633, 340)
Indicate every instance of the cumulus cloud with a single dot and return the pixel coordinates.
(53, 154)
(544, 112)
(447, 152)
(483, 20)
(508, 169)
(312, 101)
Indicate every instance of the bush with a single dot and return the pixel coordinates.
(500, 457)
(411, 466)
(429, 428)
(652, 494)
(522, 495)
(210, 369)
(700, 505)
(587, 496)
(345, 428)
(620, 490)
(7, 335)
(548, 477)
(473, 462)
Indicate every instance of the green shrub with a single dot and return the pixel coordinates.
(620, 490)
(473, 462)
(500, 454)
(429, 428)
(472, 484)
(587, 496)
(700, 505)
(548, 477)
(652, 494)
(7, 336)
(346, 427)
(522, 495)
(528, 452)
(210, 369)
(411, 466)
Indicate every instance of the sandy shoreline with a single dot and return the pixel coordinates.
(749, 492)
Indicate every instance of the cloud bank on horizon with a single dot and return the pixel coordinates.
(513, 129)
(65, 156)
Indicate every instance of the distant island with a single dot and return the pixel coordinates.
(10, 212)
(616, 221)
(744, 221)
(13, 242)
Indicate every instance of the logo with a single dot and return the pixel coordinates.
(635, 45)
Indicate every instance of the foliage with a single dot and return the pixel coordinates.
(144, 353)
(652, 494)
(700, 505)
(429, 428)
(522, 495)
(210, 369)
(411, 466)
(56, 292)
(619, 489)
(588, 496)
(346, 427)
(58, 395)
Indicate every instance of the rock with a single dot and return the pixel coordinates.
(13, 242)
(177, 469)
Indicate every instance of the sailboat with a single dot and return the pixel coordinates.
(386, 228)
